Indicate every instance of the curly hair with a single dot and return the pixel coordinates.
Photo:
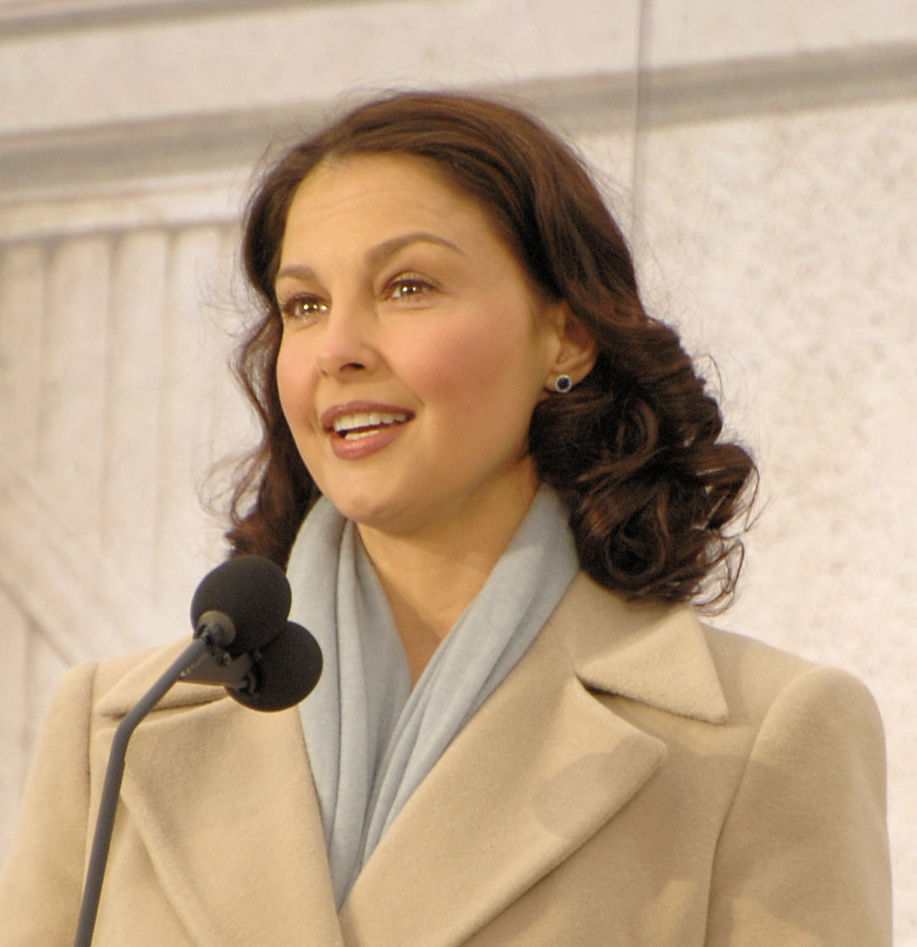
(634, 450)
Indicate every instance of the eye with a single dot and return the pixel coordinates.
(409, 288)
(302, 308)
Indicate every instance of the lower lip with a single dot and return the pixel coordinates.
(365, 446)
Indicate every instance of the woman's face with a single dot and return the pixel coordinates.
(413, 350)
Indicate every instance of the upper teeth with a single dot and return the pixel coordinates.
(349, 422)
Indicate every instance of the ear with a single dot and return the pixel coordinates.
(575, 351)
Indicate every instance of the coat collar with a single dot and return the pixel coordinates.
(541, 767)
(654, 654)
(133, 675)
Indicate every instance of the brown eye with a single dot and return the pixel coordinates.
(409, 288)
(303, 308)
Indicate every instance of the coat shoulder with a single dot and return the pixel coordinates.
(755, 676)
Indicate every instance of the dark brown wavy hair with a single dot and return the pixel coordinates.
(634, 449)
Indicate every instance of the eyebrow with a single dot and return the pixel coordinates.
(377, 255)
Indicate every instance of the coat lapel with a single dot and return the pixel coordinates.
(540, 768)
(222, 799)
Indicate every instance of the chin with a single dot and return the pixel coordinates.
(371, 511)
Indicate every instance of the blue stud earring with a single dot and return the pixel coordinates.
(563, 384)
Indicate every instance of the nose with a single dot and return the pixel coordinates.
(347, 344)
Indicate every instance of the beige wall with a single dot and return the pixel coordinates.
(762, 156)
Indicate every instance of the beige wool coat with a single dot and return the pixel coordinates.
(637, 779)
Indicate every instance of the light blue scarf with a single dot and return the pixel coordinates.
(371, 738)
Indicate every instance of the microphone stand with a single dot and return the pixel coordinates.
(216, 635)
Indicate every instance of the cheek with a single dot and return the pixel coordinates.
(456, 370)
(483, 374)
(293, 384)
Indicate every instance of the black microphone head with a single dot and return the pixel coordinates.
(286, 671)
(253, 592)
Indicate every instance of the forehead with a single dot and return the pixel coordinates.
(375, 190)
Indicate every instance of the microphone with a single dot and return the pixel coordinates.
(252, 592)
(268, 663)
(243, 641)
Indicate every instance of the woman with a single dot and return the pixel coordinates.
(496, 484)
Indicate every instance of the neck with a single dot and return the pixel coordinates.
(431, 575)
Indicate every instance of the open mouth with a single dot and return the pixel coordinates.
(352, 427)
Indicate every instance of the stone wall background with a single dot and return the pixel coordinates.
(762, 157)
